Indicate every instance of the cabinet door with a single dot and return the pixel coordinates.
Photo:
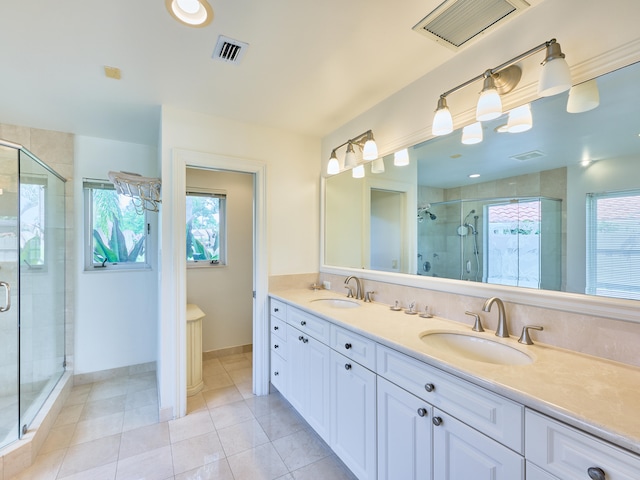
(353, 415)
(536, 473)
(296, 369)
(462, 453)
(317, 371)
(278, 373)
(404, 434)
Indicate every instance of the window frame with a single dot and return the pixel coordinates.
(222, 227)
(88, 185)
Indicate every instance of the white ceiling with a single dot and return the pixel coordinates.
(311, 65)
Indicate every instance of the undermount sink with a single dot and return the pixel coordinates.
(476, 348)
(337, 302)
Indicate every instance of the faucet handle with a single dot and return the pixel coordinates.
(368, 296)
(525, 338)
(477, 326)
(349, 291)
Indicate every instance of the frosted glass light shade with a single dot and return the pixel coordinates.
(358, 172)
(377, 166)
(333, 166)
(489, 105)
(442, 122)
(520, 119)
(583, 97)
(555, 78)
(194, 13)
(370, 150)
(472, 134)
(350, 157)
(401, 158)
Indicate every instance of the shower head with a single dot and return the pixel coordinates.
(468, 215)
(432, 216)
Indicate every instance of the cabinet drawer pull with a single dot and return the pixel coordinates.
(276, 346)
(347, 366)
(275, 374)
(429, 387)
(422, 412)
(437, 421)
(275, 328)
(276, 309)
(347, 346)
(303, 323)
(300, 338)
(596, 473)
(305, 340)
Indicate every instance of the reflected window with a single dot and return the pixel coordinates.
(206, 223)
(613, 244)
(32, 221)
(116, 232)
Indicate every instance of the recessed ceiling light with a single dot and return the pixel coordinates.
(193, 13)
(474, 175)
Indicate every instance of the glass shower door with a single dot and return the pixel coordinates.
(9, 270)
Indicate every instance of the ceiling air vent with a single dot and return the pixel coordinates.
(229, 50)
(529, 155)
(456, 22)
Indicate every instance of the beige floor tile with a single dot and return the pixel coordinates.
(196, 403)
(192, 425)
(285, 477)
(69, 414)
(267, 404)
(58, 438)
(329, 467)
(144, 439)
(242, 436)
(196, 452)
(259, 463)
(107, 389)
(89, 455)
(212, 367)
(78, 395)
(221, 396)
(139, 417)
(281, 422)
(219, 380)
(219, 470)
(95, 428)
(141, 398)
(104, 472)
(104, 407)
(154, 464)
(241, 374)
(301, 448)
(142, 381)
(45, 467)
(230, 414)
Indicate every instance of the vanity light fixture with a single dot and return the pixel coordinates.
(520, 119)
(377, 166)
(472, 134)
(401, 158)
(193, 13)
(555, 78)
(358, 171)
(367, 145)
(583, 97)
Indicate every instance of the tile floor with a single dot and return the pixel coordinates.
(110, 431)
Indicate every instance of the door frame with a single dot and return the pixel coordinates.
(172, 355)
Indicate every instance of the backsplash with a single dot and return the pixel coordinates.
(602, 337)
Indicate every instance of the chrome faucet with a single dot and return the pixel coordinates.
(503, 329)
(359, 295)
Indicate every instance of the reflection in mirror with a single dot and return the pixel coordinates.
(555, 207)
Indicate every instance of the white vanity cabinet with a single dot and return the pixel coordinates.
(565, 452)
(278, 339)
(308, 376)
(404, 434)
(353, 415)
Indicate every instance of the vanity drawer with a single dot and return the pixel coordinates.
(309, 324)
(569, 453)
(278, 328)
(354, 346)
(278, 372)
(278, 309)
(490, 413)
(279, 346)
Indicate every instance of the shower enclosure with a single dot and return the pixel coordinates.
(505, 241)
(32, 294)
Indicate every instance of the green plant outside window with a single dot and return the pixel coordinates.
(205, 228)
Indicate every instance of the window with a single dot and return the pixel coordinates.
(115, 235)
(206, 222)
(613, 244)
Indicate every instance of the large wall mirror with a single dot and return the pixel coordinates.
(556, 207)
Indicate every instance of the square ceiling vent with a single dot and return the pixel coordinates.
(455, 23)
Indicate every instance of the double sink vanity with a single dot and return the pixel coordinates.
(401, 396)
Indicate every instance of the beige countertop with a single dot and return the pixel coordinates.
(593, 394)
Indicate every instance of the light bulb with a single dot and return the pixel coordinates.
(189, 6)
(401, 158)
(520, 119)
(472, 134)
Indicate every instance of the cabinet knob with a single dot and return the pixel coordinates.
(275, 328)
(437, 421)
(596, 473)
(422, 412)
(276, 346)
(347, 346)
(300, 338)
(276, 309)
(429, 387)
(303, 323)
(347, 366)
(305, 340)
(275, 374)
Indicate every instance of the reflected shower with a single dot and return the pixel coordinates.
(424, 211)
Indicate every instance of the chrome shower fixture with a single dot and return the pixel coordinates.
(422, 211)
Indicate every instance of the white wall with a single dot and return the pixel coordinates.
(224, 293)
(116, 311)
